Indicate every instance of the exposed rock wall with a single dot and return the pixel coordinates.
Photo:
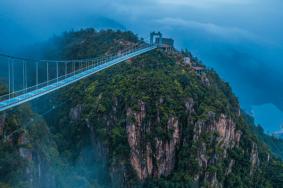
(143, 160)
(159, 158)
(226, 136)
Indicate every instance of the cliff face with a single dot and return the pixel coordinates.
(226, 136)
(24, 153)
(143, 160)
(164, 157)
(158, 157)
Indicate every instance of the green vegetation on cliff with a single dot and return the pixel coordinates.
(149, 122)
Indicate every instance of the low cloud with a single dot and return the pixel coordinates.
(205, 3)
(211, 28)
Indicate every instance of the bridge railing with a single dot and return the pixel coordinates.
(70, 69)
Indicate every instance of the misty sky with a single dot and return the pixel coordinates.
(241, 39)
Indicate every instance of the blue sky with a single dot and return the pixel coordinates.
(241, 39)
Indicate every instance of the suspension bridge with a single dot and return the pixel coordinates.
(29, 79)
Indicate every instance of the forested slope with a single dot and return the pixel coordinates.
(152, 121)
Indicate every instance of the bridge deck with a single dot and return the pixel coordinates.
(15, 101)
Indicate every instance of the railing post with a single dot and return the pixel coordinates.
(74, 67)
(36, 74)
(9, 65)
(57, 73)
(47, 73)
(24, 88)
(13, 79)
(26, 77)
(66, 69)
